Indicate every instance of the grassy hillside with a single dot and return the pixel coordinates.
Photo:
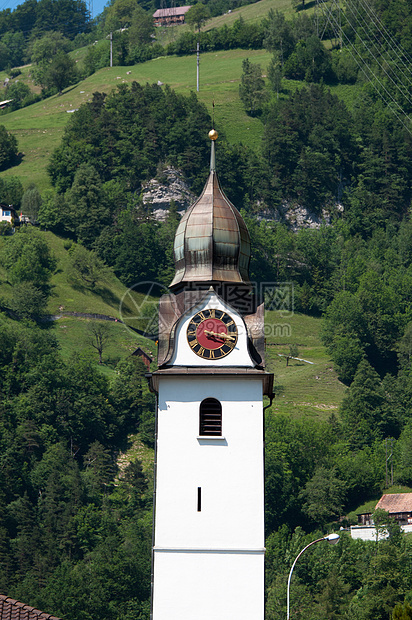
(110, 298)
(74, 337)
(302, 388)
(249, 13)
(39, 127)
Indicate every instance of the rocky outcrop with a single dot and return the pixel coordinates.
(296, 216)
(171, 185)
(159, 193)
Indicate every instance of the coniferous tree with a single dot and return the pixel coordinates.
(252, 87)
(362, 407)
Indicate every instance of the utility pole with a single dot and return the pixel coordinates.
(388, 458)
(332, 16)
(198, 64)
(111, 49)
(386, 463)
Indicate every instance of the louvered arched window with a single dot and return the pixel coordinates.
(210, 417)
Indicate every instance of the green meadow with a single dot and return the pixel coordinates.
(39, 127)
(307, 386)
(110, 298)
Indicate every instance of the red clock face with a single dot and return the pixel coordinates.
(212, 334)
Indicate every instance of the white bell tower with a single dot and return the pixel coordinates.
(208, 554)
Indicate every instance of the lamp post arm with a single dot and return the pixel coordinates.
(293, 566)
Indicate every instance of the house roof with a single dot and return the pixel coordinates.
(396, 502)
(13, 610)
(6, 207)
(177, 10)
(139, 351)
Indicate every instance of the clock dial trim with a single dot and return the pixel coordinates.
(212, 334)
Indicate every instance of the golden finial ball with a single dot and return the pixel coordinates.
(213, 135)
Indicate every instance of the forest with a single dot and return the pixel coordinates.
(75, 528)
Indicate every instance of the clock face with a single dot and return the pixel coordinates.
(212, 334)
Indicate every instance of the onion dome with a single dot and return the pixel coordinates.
(212, 242)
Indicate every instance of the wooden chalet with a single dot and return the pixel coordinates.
(13, 610)
(170, 17)
(145, 357)
(398, 505)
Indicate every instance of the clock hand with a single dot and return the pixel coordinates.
(223, 336)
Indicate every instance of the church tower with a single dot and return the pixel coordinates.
(208, 554)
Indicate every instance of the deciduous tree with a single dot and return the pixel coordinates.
(324, 496)
(99, 337)
(86, 268)
(27, 258)
(8, 149)
(197, 16)
(28, 300)
(141, 27)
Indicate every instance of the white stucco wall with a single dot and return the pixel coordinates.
(5, 218)
(208, 586)
(229, 470)
(368, 532)
(220, 549)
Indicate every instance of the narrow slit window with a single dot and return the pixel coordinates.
(199, 499)
(210, 418)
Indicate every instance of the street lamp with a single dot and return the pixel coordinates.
(332, 539)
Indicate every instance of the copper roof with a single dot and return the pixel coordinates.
(177, 10)
(396, 502)
(212, 242)
(13, 610)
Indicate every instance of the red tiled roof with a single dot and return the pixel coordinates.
(177, 10)
(396, 502)
(13, 610)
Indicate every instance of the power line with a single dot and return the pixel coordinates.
(362, 64)
(405, 94)
(383, 29)
(388, 43)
